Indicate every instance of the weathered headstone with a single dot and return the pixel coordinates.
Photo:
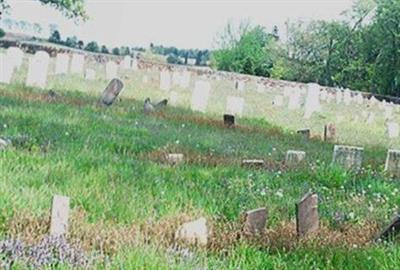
(185, 79)
(77, 62)
(329, 132)
(175, 158)
(90, 74)
(165, 80)
(349, 157)
(305, 132)
(176, 78)
(193, 233)
(392, 165)
(111, 70)
(145, 79)
(339, 96)
(229, 120)
(255, 221)
(126, 63)
(112, 91)
(62, 63)
(391, 230)
(6, 68)
(294, 158)
(37, 71)
(260, 88)
(307, 218)
(200, 96)
(16, 56)
(173, 98)
(294, 100)
(347, 97)
(312, 100)
(278, 101)
(134, 65)
(253, 163)
(59, 216)
(393, 130)
(234, 105)
(370, 118)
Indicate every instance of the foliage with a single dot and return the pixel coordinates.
(92, 47)
(2, 33)
(104, 49)
(55, 37)
(173, 59)
(201, 56)
(116, 51)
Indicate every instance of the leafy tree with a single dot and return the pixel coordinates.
(92, 47)
(37, 28)
(116, 51)
(80, 44)
(55, 37)
(174, 59)
(71, 42)
(104, 49)
(2, 33)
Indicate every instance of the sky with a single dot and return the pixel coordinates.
(180, 23)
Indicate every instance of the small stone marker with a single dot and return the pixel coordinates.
(62, 63)
(349, 157)
(6, 68)
(392, 165)
(175, 159)
(4, 143)
(294, 158)
(307, 218)
(392, 230)
(112, 91)
(393, 130)
(37, 71)
(329, 132)
(111, 70)
(165, 80)
(200, 96)
(254, 163)
(90, 74)
(305, 132)
(193, 233)
(16, 56)
(59, 216)
(234, 105)
(229, 120)
(255, 221)
(77, 63)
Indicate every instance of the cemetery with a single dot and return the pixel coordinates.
(118, 162)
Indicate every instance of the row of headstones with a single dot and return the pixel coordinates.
(197, 232)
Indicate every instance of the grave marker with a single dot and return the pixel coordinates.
(112, 91)
(234, 105)
(391, 230)
(307, 218)
(392, 130)
(329, 132)
(200, 96)
(312, 100)
(37, 71)
(62, 63)
(59, 216)
(77, 63)
(185, 79)
(165, 80)
(90, 74)
(349, 157)
(255, 221)
(229, 120)
(253, 163)
(175, 159)
(16, 56)
(111, 70)
(305, 132)
(392, 165)
(294, 158)
(6, 68)
(193, 233)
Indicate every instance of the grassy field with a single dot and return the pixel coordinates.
(127, 201)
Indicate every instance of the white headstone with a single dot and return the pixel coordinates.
(185, 79)
(77, 63)
(111, 70)
(241, 85)
(16, 56)
(260, 88)
(59, 216)
(194, 232)
(294, 100)
(234, 105)
(126, 64)
(370, 118)
(339, 96)
(90, 74)
(173, 98)
(200, 96)
(145, 79)
(165, 80)
(278, 101)
(6, 68)
(347, 96)
(134, 64)
(176, 78)
(37, 71)
(62, 63)
(388, 112)
(312, 100)
(393, 130)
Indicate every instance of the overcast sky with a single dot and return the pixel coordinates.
(184, 23)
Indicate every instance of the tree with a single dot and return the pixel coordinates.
(116, 51)
(37, 28)
(80, 44)
(55, 37)
(92, 47)
(71, 42)
(173, 59)
(104, 49)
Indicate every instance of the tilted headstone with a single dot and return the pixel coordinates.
(294, 158)
(392, 130)
(234, 105)
(312, 100)
(62, 63)
(307, 218)
(16, 56)
(90, 74)
(329, 132)
(349, 157)
(305, 132)
(200, 96)
(175, 159)
(165, 80)
(111, 70)
(392, 165)
(193, 233)
(37, 71)
(112, 91)
(77, 62)
(59, 216)
(229, 120)
(391, 230)
(255, 221)
(7, 67)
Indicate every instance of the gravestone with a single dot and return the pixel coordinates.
(359, 99)
(111, 70)
(305, 132)
(126, 63)
(90, 74)
(307, 218)
(392, 130)
(294, 158)
(294, 100)
(229, 120)
(234, 105)
(349, 157)
(373, 101)
(165, 80)
(77, 63)
(323, 95)
(4, 144)
(176, 78)
(6, 68)
(329, 132)
(255, 221)
(339, 96)
(370, 118)
(62, 63)
(392, 165)
(16, 56)
(134, 65)
(260, 88)
(278, 101)
(173, 98)
(193, 233)
(175, 159)
(37, 71)
(200, 96)
(388, 112)
(241, 86)
(145, 79)
(347, 97)
(391, 230)
(185, 79)
(253, 163)
(112, 91)
(59, 216)
(312, 100)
